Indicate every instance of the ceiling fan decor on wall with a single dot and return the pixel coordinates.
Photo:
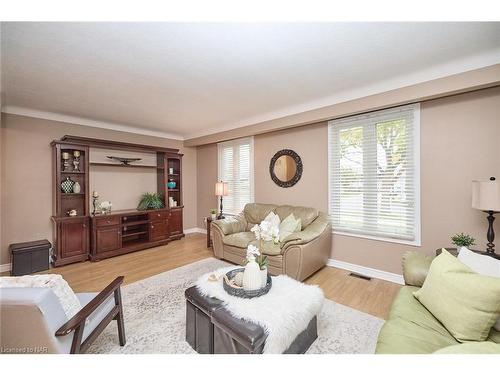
(124, 161)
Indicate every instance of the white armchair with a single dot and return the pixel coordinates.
(32, 320)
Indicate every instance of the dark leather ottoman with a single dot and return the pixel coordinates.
(199, 326)
(212, 329)
(238, 336)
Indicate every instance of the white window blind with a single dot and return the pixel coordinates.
(236, 168)
(374, 176)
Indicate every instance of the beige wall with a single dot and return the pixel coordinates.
(310, 143)
(460, 138)
(26, 194)
(206, 177)
(122, 186)
(459, 143)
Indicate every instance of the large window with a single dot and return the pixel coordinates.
(236, 168)
(374, 175)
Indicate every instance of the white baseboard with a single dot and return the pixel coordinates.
(367, 271)
(195, 230)
(5, 267)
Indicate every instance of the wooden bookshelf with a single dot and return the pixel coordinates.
(84, 236)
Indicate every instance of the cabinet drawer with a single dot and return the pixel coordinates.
(175, 222)
(105, 221)
(108, 239)
(158, 215)
(158, 230)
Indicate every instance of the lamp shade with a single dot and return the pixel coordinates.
(486, 195)
(221, 189)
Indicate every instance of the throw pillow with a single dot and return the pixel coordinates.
(288, 226)
(483, 265)
(69, 302)
(273, 219)
(466, 303)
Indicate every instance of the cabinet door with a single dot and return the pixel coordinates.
(175, 222)
(74, 236)
(158, 230)
(108, 239)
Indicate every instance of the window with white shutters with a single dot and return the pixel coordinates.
(236, 168)
(374, 176)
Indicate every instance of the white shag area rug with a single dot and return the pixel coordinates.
(284, 312)
(155, 318)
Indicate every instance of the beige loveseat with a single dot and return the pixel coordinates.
(298, 255)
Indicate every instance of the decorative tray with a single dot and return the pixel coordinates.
(240, 292)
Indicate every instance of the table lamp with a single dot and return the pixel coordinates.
(221, 190)
(486, 197)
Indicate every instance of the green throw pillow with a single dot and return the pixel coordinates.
(288, 226)
(466, 303)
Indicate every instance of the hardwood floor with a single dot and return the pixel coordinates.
(373, 297)
(94, 276)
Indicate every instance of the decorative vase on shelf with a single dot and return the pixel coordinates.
(67, 185)
(263, 277)
(171, 184)
(252, 279)
(77, 188)
(459, 248)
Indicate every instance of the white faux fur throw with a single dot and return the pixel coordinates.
(284, 312)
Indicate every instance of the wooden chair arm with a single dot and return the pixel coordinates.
(89, 308)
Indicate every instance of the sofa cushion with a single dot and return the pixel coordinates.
(269, 247)
(256, 212)
(483, 265)
(288, 226)
(466, 303)
(306, 214)
(485, 347)
(411, 328)
(273, 219)
(241, 239)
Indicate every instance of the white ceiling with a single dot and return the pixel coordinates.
(194, 79)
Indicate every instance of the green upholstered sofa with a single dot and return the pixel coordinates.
(412, 329)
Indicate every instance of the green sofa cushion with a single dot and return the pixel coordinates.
(466, 303)
(485, 347)
(494, 336)
(241, 239)
(411, 328)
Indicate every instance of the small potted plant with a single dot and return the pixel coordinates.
(213, 213)
(462, 240)
(150, 201)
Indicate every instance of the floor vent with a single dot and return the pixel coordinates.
(359, 276)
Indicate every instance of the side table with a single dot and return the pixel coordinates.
(209, 238)
(453, 251)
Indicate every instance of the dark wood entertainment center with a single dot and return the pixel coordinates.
(99, 236)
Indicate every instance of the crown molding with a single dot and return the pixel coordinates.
(75, 120)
